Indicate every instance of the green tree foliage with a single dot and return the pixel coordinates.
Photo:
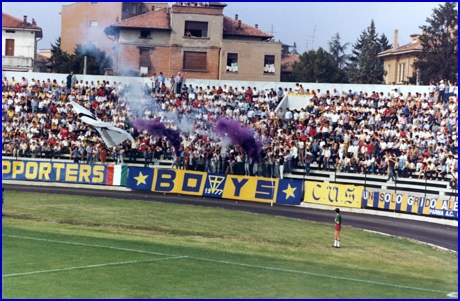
(439, 39)
(384, 44)
(365, 67)
(62, 62)
(96, 60)
(357, 46)
(317, 66)
(337, 51)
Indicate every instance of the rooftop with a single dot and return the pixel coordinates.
(412, 46)
(231, 28)
(158, 19)
(9, 21)
(288, 60)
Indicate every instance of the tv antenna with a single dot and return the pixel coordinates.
(272, 32)
(313, 38)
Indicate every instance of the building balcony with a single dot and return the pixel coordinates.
(17, 63)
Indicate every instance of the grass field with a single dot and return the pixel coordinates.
(59, 246)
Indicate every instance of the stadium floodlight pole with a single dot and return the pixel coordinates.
(271, 201)
(396, 182)
(426, 178)
(335, 174)
(365, 180)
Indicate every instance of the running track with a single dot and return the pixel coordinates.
(436, 234)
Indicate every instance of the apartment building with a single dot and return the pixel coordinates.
(195, 38)
(398, 62)
(19, 43)
(84, 22)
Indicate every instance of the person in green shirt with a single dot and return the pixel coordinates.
(337, 228)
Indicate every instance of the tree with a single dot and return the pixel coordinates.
(317, 66)
(383, 42)
(352, 65)
(96, 60)
(365, 67)
(337, 51)
(61, 61)
(357, 46)
(439, 57)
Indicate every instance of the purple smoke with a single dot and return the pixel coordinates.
(158, 129)
(241, 136)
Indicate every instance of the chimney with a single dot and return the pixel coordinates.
(239, 24)
(33, 22)
(257, 25)
(153, 7)
(25, 19)
(236, 17)
(116, 19)
(395, 40)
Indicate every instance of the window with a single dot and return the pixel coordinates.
(93, 23)
(144, 70)
(401, 77)
(10, 31)
(269, 64)
(145, 34)
(195, 60)
(144, 57)
(232, 62)
(196, 29)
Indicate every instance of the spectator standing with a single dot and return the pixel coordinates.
(391, 167)
(75, 155)
(89, 153)
(337, 228)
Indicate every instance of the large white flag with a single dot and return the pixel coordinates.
(112, 135)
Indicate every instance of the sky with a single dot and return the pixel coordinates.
(309, 24)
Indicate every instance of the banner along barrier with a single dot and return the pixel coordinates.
(233, 187)
(434, 207)
(63, 172)
(338, 195)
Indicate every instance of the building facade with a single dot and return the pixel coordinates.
(19, 43)
(398, 62)
(84, 22)
(198, 39)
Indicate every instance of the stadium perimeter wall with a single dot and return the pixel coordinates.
(204, 83)
(226, 186)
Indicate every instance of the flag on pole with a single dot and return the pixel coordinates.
(112, 135)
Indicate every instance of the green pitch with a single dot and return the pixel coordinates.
(59, 246)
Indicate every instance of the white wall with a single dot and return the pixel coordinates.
(293, 102)
(24, 42)
(203, 83)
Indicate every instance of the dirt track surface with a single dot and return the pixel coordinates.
(439, 235)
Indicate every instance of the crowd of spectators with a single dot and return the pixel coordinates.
(372, 132)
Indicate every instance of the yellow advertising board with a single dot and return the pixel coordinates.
(250, 188)
(338, 195)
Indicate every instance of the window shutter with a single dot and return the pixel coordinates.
(195, 60)
(144, 58)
